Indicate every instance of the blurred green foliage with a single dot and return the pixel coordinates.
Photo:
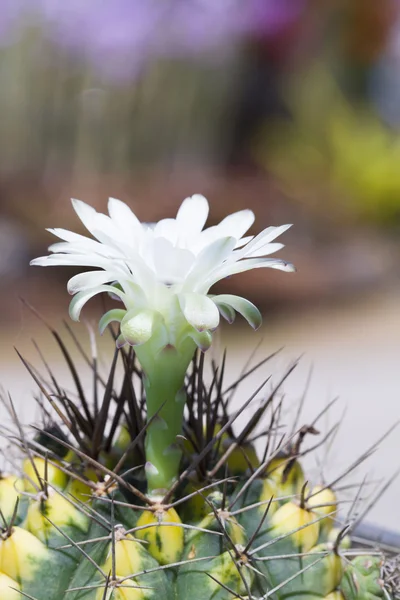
(342, 149)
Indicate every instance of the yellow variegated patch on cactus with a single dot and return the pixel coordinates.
(9, 589)
(8, 494)
(21, 554)
(299, 524)
(34, 471)
(162, 531)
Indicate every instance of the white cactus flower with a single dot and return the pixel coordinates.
(163, 272)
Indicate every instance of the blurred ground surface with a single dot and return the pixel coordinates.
(354, 349)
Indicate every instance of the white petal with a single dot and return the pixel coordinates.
(124, 217)
(142, 275)
(171, 264)
(134, 293)
(262, 239)
(211, 257)
(237, 223)
(73, 260)
(99, 225)
(234, 225)
(264, 250)
(199, 311)
(125, 260)
(245, 265)
(87, 247)
(206, 238)
(41, 261)
(256, 263)
(192, 215)
(282, 265)
(243, 241)
(246, 308)
(105, 230)
(175, 259)
(116, 314)
(70, 236)
(167, 228)
(79, 301)
(86, 213)
(138, 329)
(91, 279)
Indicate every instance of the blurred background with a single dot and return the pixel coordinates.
(288, 107)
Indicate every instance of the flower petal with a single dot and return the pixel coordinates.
(91, 279)
(116, 314)
(260, 241)
(246, 308)
(168, 229)
(171, 264)
(163, 273)
(213, 255)
(86, 213)
(237, 223)
(79, 301)
(264, 250)
(192, 215)
(105, 230)
(138, 330)
(88, 247)
(73, 260)
(99, 225)
(245, 265)
(124, 218)
(76, 239)
(135, 293)
(243, 241)
(199, 311)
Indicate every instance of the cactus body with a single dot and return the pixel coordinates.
(232, 527)
(207, 558)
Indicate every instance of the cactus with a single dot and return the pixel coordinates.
(77, 516)
(118, 499)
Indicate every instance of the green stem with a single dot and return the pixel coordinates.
(164, 378)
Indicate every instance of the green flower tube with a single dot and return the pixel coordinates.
(164, 377)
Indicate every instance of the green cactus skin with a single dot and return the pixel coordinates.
(362, 579)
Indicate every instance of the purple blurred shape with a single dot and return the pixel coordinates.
(269, 17)
(11, 12)
(119, 37)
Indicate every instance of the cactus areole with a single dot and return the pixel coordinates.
(162, 273)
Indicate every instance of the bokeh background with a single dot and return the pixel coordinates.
(288, 107)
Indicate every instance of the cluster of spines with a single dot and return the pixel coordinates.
(215, 458)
